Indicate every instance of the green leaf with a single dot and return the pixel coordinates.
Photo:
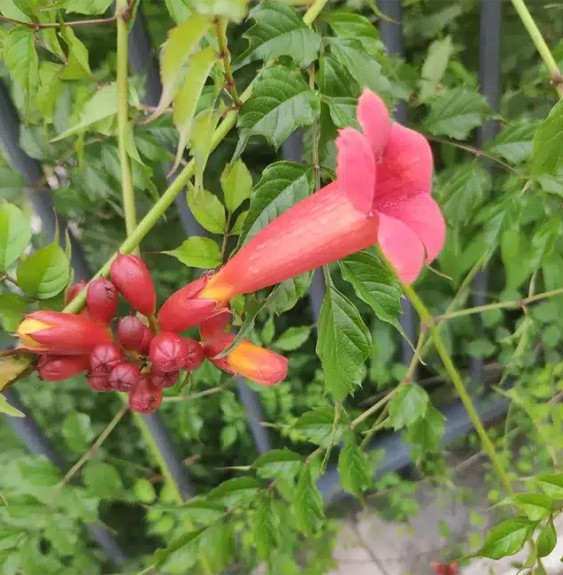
(46, 273)
(15, 234)
(12, 367)
(202, 141)
(198, 252)
(233, 9)
(547, 539)
(352, 25)
(374, 284)
(281, 101)
(278, 463)
(89, 7)
(343, 345)
(182, 41)
(307, 503)
(514, 142)
(6, 408)
(515, 250)
(181, 554)
(317, 425)
(279, 31)
(102, 480)
(200, 65)
(427, 431)
(286, 294)
(235, 491)
(410, 404)
(77, 431)
(293, 338)
(202, 512)
(535, 505)
(547, 152)
(100, 106)
(12, 307)
(354, 469)
(342, 111)
(178, 10)
(434, 67)
(218, 545)
(237, 227)
(144, 491)
(236, 182)
(283, 184)
(22, 61)
(78, 65)
(456, 113)
(507, 538)
(207, 209)
(335, 81)
(267, 524)
(552, 484)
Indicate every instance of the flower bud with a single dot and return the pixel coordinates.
(99, 381)
(133, 334)
(102, 300)
(163, 380)
(59, 367)
(168, 352)
(195, 354)
(105, 357)
(132, 278)
(61, 333)
(124, 377)
(73, 290)
(145, 397)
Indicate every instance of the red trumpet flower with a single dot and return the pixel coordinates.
(59, 367)
(61, 333)
(381, 195)
(132, 278)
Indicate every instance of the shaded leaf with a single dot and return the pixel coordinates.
(102, 479)
(427, 431)
(235, 491)
(15, 234)
(547, 539)
(89, 7)
(266, 528)
(434, 67)
(351, 25)
(317, 425)
(198, 252)
(547, 152)
(286, 294)
(278, 463)
(507, 538)
(78, 65)
(12, 367)
(77, 431)
(354, 469)
(410, 404)
(233, 9)
(202, 141)
(217, 545)
(307, 503)
(293, 338)
(514, 142)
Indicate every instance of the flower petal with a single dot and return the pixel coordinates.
(355, 171)
(401, 247)
(422, 215)
(405, 168)
(374, 119)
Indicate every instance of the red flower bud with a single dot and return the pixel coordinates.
(168, 352)
(133, 334)
(73, 290)
(99, 381)
(215, 325)
(124, 377)
(61, 333)
(59, 367)
(163, 380)
(183, 309)
(133, 280)
(145, 397)
(102, 300)
(195, 354)
(105, 357)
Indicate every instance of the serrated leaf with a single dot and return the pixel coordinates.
(232, 9)
(317, 425)
(12, 367)
(181, 554)
(15, 234)
(278, 463)
(235, 491)
(89, 7)
(434, 67)
(374, 284)
(456, 113)
(282, 185)
(547, 539)
(410, 404)
(218, 545)
(266, 528)
(46, 273)
(307, 503)
(286, 294)
(351, 25)
(6, 408)
(507, 538)
(207, 209)
(12, 307)
(342, 111)
(198, 252)
(279, 31)
(293, 338)
(547, 152)
(427, 431)
(182, 41)
(334, 80)
(343, 345)
(534, 505)
(354, 469)
(281, 101)
(551, 484)
(236, 183)
(514, 142)
(185, 103)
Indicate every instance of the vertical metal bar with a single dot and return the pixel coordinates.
(142, 61)
(489, 75)
(36, 442)
(391, 32)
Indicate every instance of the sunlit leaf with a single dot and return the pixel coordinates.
(547, 152)
(207, 210)
(507, 538)
(236, 182)
(15, 234)
(45, 273)
(197, 252)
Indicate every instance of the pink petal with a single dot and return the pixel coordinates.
(401, 247)
(422, 215)
(355, 171)
(374, 119)
(405, 168)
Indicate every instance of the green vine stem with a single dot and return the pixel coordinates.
(540, 44)
(428, 321)
(221, 27)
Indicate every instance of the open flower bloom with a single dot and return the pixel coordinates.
(61, 333)
(381, 195)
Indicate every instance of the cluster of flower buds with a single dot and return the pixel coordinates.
(134, 358)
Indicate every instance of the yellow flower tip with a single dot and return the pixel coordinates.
(220, 293)
(257, 363)
(27, 327)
